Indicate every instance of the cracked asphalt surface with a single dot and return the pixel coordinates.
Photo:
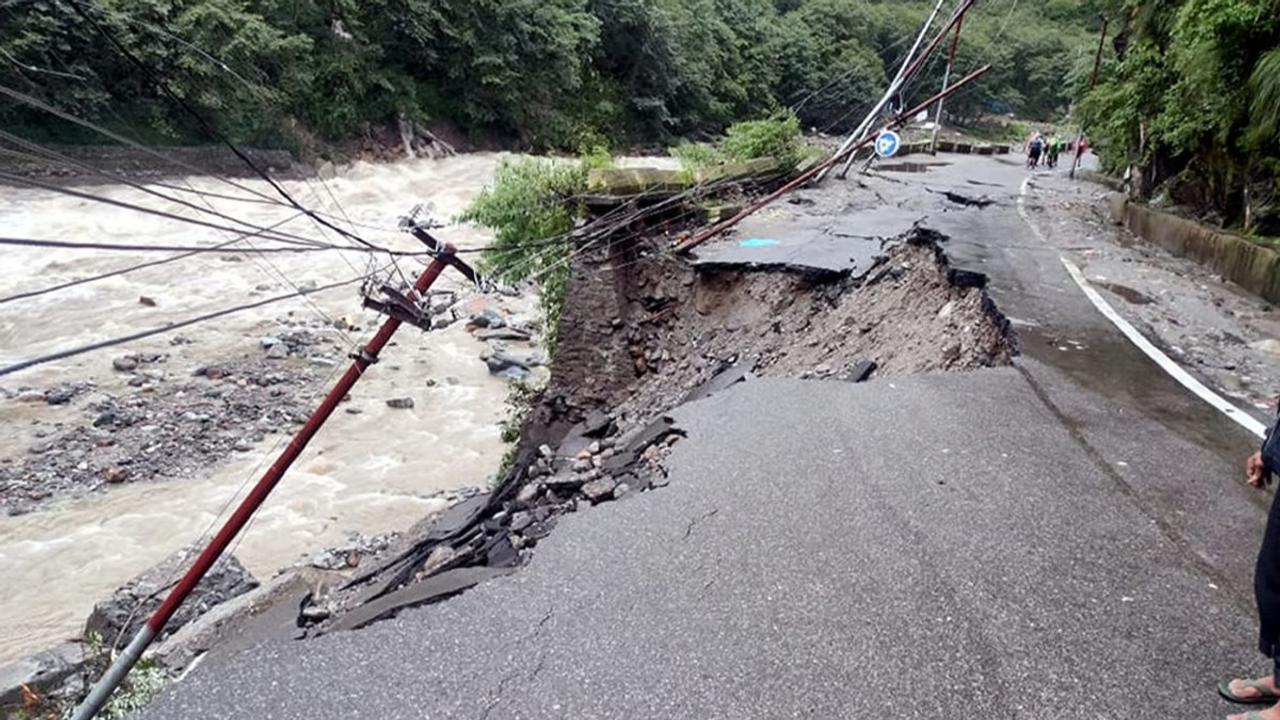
(1065, 538)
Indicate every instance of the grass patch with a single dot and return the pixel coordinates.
(776, 137)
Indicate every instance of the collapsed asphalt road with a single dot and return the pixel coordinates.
(1065, 538)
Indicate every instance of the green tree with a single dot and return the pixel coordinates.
(531, 207)
(828, 73)
(1189, 103)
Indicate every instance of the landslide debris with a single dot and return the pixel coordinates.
(644, 331)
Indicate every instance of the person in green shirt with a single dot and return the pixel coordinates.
(1054, 149)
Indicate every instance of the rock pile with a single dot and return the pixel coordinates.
(511, 364)
(168, 427)
(56, 395)
(351, 553)
(296, 343)
(491, 323)
(64, 673)
(115, 620)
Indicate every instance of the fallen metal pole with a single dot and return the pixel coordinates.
(367, 356)
(825, 164)
(893, 88)
(916, 65)
(946, 78)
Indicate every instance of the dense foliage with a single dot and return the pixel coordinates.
(778, 137)
(1190, 100)
(547, 73)
(531, 203)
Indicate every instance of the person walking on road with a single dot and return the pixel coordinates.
(1081, 147)
(1053, 150)
(1035, 146)
(1266, 587)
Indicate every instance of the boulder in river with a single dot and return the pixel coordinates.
(511, 364)
(488, 318)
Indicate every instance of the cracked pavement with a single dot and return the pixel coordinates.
(1065, 538)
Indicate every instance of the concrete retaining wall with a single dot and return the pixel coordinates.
(1247, 264)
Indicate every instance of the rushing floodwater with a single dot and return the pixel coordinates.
(371, 472)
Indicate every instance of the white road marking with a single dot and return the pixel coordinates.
(1244, 419)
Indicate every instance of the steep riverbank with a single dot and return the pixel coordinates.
(373, 469)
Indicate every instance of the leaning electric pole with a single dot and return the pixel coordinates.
(863, 126)
(406, 310)
(946, 78)
(1093, 83)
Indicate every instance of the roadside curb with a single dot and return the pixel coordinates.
(944, 146)
(1249, 265)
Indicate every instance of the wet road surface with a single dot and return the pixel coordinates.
(1066, 538)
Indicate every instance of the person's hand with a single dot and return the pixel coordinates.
(1254, 470)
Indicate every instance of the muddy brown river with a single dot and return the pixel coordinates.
(371, 472)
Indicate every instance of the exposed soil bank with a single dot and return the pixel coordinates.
(644, 331)
(641, 328)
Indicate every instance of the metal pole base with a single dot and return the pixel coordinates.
(115, 675)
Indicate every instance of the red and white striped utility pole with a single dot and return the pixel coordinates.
(365, 357)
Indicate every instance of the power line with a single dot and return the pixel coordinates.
(1003, 26)
(190, 46)
(256, 89)
(283, 238)
(262, 260)
(131, 247)
(286, 238)
(124, 181)
(187, 249)
(32, 68)
(207, 127)
(72, 352)
(126, 270)
(40, 105)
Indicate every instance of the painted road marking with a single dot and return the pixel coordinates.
(1166, 363)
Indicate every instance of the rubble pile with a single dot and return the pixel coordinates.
(488, 534)
(635, 345)
(491, 323)
(645, 340)
(170, 422)
(44, 683)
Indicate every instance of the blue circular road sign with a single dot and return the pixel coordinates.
(887, 144)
